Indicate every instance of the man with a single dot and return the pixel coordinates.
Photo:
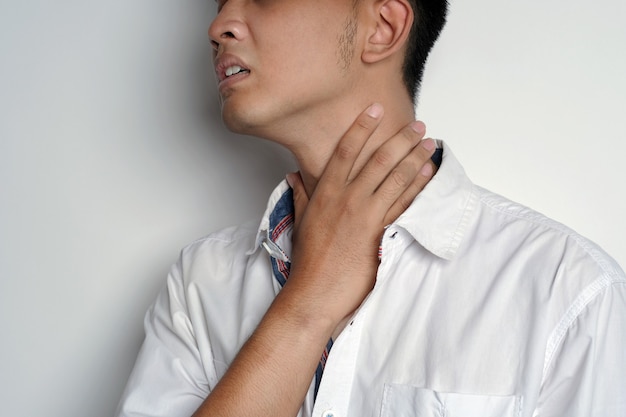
(368, 301)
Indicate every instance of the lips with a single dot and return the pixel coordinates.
(229, 66)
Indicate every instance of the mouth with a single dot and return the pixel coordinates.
(229, 67)
(234, 70)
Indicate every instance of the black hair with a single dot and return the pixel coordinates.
(429, 19)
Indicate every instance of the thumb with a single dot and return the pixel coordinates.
(300, 198)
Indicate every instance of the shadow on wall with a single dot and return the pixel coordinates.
(232, 177)
(253, 166)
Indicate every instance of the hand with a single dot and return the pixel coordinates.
(338, 231)
(333, 268)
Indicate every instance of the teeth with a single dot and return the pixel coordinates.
(233, 70)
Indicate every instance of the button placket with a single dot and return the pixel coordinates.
(392, 239)
(334, 392)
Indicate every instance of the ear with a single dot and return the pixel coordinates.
(391, 25)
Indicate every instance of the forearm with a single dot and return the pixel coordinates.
(273, 371)
(333, 268)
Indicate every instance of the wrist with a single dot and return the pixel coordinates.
(305, 311)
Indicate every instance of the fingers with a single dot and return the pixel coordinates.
(388, 183)
(300, 197)
(385, 161)
(406, 180)
(423, 175)
(351, 144)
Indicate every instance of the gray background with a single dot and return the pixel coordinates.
(113, 157)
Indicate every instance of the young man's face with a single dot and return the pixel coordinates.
(295, 58)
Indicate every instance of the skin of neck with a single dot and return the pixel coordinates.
(312, 159)
(312, 135)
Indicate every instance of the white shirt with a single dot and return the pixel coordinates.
(481, 308)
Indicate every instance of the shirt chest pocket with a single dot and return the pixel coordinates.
(409, 401)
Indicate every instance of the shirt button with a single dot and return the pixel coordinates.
(329, 413)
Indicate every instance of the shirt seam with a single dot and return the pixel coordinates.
(589, 294)
(539, 219)
(464, 220)
(230, 234)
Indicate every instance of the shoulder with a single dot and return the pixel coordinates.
(232, 238)
(551, 242)
(220, 253)
(566, 262)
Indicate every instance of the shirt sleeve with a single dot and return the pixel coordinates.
(168, 378)
(587, 374)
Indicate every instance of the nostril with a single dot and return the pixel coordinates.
(215, 45)
(228, 35)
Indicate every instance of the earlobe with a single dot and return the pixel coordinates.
(393, 21)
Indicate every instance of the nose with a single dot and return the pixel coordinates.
(228, 25)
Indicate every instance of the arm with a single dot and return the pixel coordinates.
(169, 377)
(587, 374)
(334, 265)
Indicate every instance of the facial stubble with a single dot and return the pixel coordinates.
(347, 39)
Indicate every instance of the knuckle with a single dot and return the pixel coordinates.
(419, 156)
(351, 205)
(344, 151)
(398, 178)
(323, 195)
(382, 157)
(409, 135)
(364, 123)
(404, 202)
(424, 153)
(350, 210)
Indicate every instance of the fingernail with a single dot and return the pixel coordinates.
(418, 127)
(428, 144)
(426, 170)
(290, 179)
(375, 110)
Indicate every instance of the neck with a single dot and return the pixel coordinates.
(312, 138)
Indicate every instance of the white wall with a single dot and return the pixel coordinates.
(112, 157)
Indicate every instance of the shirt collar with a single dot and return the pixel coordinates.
(439, 216)
(437, 219)
(264, 228)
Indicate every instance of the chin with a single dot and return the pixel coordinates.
(233, 123)
(248, 119)
(238, 120)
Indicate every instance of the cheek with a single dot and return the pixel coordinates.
(301, 62)
(299, 45)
